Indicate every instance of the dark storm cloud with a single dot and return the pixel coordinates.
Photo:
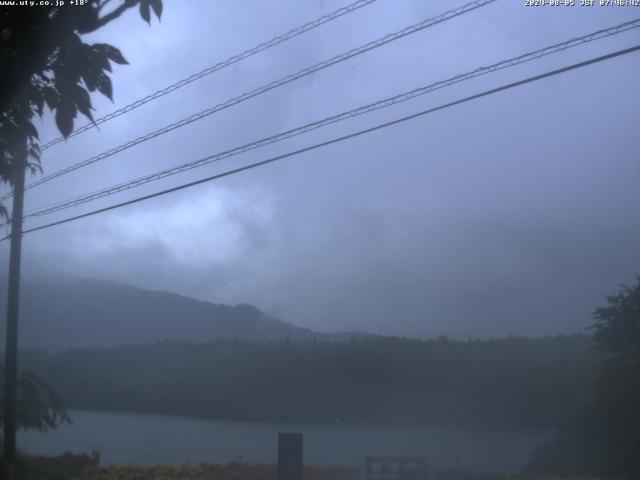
(513, 214)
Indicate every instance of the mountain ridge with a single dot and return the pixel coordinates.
(79, 312)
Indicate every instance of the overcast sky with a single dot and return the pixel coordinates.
(514, 214)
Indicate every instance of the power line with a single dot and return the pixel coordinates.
(218, 66)
(342, 138)
(337, 118)
(265, 88)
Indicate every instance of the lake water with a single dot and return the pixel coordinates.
(158, 439)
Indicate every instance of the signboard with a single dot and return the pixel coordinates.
(395, 468)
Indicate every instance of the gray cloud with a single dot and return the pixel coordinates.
(513, 214)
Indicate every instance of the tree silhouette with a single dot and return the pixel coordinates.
(44, 61)
(605, 440)
(39, 406)
(617, 334)
(617, 327)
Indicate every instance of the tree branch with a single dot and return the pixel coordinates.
(103, 4)
(116, 12)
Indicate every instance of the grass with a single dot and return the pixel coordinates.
(233, 471)
(82, 467)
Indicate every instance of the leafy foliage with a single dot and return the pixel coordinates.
(617, 327)
(44, 61)
(38, 405)
(605, 439)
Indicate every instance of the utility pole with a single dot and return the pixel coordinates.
(13, 299)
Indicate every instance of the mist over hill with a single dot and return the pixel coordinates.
(513, 383)
(176, 355)
(70, 312)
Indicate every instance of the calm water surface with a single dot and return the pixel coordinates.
(159, 439)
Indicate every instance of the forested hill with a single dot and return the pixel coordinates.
(66, 312)
(512, 383)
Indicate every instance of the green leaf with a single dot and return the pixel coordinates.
(103, 84)
(157, 7)
(100, 60)
(111, 52)
(31, 130)
(64, 121)
(39, 102)
(34, 149)
(51, 97)
(90, 78)
(144, 11)
(83, 101)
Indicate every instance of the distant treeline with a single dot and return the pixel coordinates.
(513, 383)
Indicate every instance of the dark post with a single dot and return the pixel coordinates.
(11, 349)
(290, 465)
